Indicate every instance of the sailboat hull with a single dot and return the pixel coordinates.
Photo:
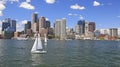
(39, 52)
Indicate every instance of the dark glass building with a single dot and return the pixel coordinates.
(81, 23)
(91, 26)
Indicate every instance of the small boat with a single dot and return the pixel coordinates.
(37, 46)
(21, 38)
(45, 38)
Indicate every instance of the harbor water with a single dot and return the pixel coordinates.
(69, 53)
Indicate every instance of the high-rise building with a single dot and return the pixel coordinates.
(63, 29)
(91, 26)
(27, 26)
(35, 23)
(34, 18)
(8, 28)
(60, 29)
(77, 29)
(13, 24)
(113, 32)
(86, 28)
(5, 25)
(42, 22)
(81, 23)
(8, 20)
(8, 23)
(57, 28)
(48, 24)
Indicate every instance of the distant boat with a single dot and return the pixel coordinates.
(37, 46)
(22, 38)
(45, 38)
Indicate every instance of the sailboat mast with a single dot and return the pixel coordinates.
(37, 42)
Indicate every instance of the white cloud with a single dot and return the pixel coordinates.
(118, 16)
(81, 17)
(2, 1)
(1, 14)
(28, 0)
(24, 21)
(50, 1)
(46, 19)
(95, 3)
(2, 7)
(76, 6)
(70, 14)
(14, 0)
(20, 27)
(27, 6)
(109, 3)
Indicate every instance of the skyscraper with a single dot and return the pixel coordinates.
(48, 24)
(63, 29)
(113, 32)
(91, 26)
(34, 18)
(8, 28)
(86, 28)
(42, 22)
(27, 26)
(35, 23)
(13, 24)
(60, 29)
(81, 23)
(79, 29)
(57, 27)
(8, 23)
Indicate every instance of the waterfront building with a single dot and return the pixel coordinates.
(113, 32)
(91, 26)
(77, 29)
(70, 33)
(42, 22)
(35, 23)
(27, 26)
(48, 24)
(8, 28)
(104, 31)
(81, 23)
(57, 28)
(5, 25)
(60, 29)
(16, 34)
(43, 31)
(63, 29)
(86, 29)
(50, 31)
(13, 24)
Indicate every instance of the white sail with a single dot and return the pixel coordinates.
(45, 38)
(34, 45)
(39, 45)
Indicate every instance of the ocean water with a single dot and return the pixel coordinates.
(70, 53)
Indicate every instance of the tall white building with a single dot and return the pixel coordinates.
(86, 28)
(60, 29)
(113, 32)
(35, 22)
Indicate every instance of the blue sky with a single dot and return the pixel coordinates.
(106, 13)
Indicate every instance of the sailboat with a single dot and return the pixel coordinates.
(37, 46)
(45, 38)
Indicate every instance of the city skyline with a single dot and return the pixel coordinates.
(106, 14)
